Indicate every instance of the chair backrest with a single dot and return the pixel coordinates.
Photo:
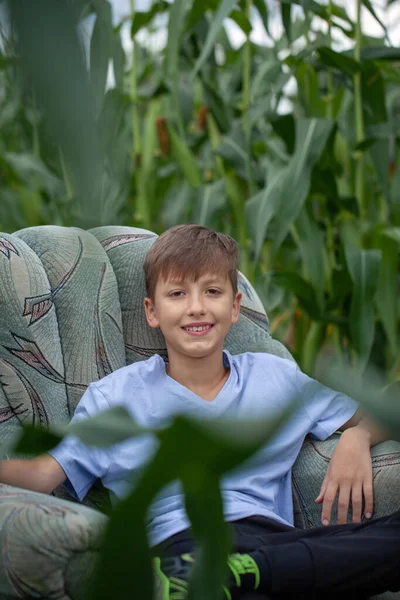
(71, 311)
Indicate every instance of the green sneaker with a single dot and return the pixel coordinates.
(172, 576)
(245, 571)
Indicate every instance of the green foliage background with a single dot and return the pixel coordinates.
(193, 133)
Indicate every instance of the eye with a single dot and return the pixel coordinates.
(176, 294)
(214, 291)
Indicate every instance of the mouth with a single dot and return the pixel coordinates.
(198, 330)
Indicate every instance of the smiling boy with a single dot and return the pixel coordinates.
(192, 296)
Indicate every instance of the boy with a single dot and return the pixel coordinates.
(192, 295)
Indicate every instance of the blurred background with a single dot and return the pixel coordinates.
(275, 122)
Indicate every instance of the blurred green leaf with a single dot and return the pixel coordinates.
(387, 288)
(393, 233)
(344, 63)
(221, 446)
(52, 56)
(142, 19)
(176, 19)
(368, 390)
(385, 129)
(232, 148)
(310, 239)
(101, 51)
(106, 428)
(210, 199)
(311, 138)
(203, 496)
(241, 20)
(379, 53)
(371, 9)
(262, 9)
(218, 107)
(185, 159)
(265, 78)
(286, 13)
(199, 9)
(118, 58)
(36, 440)
(363, 267)
(262, 208)
(177, 204)
(302, 289)
(224, 10)
(27, 165)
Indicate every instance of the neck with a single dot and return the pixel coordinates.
(200, 375)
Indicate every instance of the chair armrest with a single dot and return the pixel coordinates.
(48, 546)
(310, 468)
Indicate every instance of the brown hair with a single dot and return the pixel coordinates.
(190, 250)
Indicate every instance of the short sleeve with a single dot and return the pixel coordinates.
(83, 464)
(327, 410)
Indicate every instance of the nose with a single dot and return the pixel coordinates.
(196, 304)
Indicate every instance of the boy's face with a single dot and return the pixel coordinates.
(194, 316)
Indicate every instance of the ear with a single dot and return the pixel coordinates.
(149, 309)
(236, 307)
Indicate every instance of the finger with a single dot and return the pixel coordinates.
(329, 499)
(356, 502)
(321, 494)
(322, 491)
(343, 504)
(368, 498)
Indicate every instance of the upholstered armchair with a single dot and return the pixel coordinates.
(70, 313)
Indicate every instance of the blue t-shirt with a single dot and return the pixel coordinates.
(259, 385)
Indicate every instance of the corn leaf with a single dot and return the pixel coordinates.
(210, 199)
(224, 10)
(303, 290)
(286, 13)
(311, 138)
(368, 5)
(185, 159)
(310, 240)
(363, 266)
(387, 294)
(101, 52)
(344, 63)
(197, 455)
(52, 56)
(142, 19)
(262, 208)
(262, 9)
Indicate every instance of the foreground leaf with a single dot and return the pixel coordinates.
(368, 389)
(53, 58)
(186, 447)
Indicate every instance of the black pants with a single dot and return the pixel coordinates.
(353, 561)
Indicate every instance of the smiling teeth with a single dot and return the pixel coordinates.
(198, 328)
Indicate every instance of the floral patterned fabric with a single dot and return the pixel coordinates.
(71, 311)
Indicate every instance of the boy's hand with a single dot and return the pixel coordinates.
(350, 475)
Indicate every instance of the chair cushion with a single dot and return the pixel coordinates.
(49, 546)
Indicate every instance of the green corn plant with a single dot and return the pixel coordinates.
(196, 132)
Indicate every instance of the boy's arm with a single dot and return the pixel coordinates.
(349, 475)
(375, 434)
(41, 474)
